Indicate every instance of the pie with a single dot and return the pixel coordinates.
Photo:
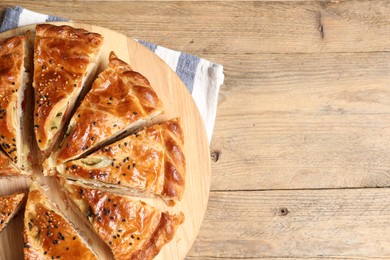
(149, 162)
(14, 102)
(48, 234)
(65, 62)
(7, 166)
(9, 206)
(57, 116)
(119, 101)
(131, 228)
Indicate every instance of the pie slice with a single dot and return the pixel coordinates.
(151, 161)
(7, 167)
(15, 109)
(47, 233)
(9, 206)
(119, 101)
(131, 228)
(65, 61)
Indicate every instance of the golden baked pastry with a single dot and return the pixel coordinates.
(148, 162)
(48, 234)
(65, 61)
(7, 167)
(119, 101)
(14, 107)
(9, 206)
(131, 228)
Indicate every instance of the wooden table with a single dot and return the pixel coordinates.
(301, 147)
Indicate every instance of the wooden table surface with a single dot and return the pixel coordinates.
(301, 146)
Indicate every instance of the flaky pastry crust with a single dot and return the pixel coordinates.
(150, 161)
(120, 99)
(9, 206)
(64, 57)
(131, 228)
(48, 234)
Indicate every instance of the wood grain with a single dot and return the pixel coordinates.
(305, 105)
(205, 28)
(310, 120)
(348, 223)
(177, 102)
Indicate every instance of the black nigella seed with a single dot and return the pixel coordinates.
(94, 123)
(13, 83)
(67, 248)
(43, 67)
(123, 174)
(110, 243)
(74, 238)
(115, 125)
(74, 167)
(134, 165)
(119, 230)
(114, 237)
(26, 245)
(137, 238)
(55, 241)
(132, 236)
(92, 138)
(134, 113)
(40, 140)
(45, 253)
(123, 220)
(51, 61)
(99, 219)
(119, 182)
(78, 116)
(125, 143)
(60, 236)
(131, 244)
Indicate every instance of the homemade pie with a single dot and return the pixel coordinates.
(9, 206)
(94, 139)
(48, 234)
(119, 101)
(148, 162)
(65, 62)
(15, 102)
(131, 228)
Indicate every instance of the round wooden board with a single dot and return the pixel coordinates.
(177, 103)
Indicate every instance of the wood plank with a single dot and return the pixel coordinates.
(291, 121)
(237, 27)
(349, 223)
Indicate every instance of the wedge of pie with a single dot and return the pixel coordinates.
(65, 61)
(47, 233)
(15, 117)
(131, 228)
(7, 167)
(9, 206)
(119, 101)
(148, 162)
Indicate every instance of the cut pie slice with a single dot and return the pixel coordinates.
(15, 105)
(119, 101)
(131, 228)
(65, 61)
(7, 167)
(47, 233)
(9, 206)
(151, 161)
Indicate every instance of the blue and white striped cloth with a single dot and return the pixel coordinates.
(202, 77)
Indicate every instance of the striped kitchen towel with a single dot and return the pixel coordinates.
(202, 77)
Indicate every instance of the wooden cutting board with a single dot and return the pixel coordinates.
(178, 103)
